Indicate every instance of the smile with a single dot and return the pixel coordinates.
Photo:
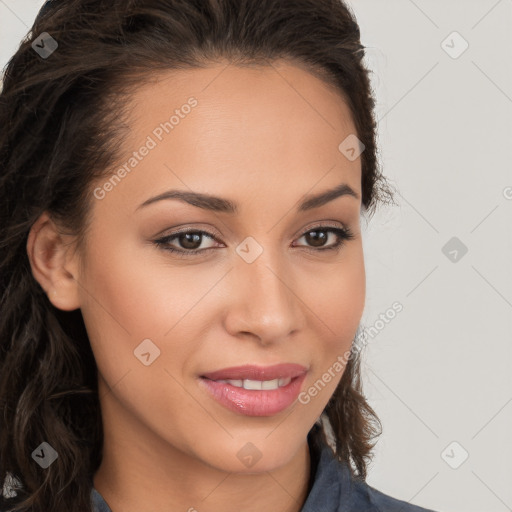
(258, 384)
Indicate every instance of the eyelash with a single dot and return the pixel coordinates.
(343, 234)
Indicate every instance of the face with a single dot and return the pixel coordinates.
(262, 283)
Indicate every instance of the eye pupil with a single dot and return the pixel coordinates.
(317, 237)
(185, 240)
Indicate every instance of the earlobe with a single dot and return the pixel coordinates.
(49, 255)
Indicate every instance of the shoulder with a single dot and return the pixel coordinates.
(98, 503)
(335, 489)
(367, 498)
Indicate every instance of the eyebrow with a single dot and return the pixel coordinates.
(219, 204)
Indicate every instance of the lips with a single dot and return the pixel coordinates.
(261, 373)
(266, 393)
(255, 390)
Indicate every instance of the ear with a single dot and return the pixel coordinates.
(54, 263)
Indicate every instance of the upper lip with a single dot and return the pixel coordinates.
(252, 372)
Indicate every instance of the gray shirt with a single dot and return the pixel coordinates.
(331, 489)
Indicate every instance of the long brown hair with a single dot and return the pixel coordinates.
(62, 117)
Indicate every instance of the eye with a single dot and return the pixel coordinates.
(189, 241)
(319, 235)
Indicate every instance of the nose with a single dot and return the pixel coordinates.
(263, 303)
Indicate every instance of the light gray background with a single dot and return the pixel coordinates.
(440, 371)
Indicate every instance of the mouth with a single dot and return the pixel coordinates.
(257, 384)
(258, 373)
(255, 390)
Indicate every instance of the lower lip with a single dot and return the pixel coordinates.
(253, 402)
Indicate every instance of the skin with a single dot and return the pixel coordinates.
(263, 137)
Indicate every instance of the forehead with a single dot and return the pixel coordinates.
(286, 87)
(253, 128)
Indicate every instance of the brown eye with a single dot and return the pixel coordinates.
(316, 238)
(187, 243)
(191, 240)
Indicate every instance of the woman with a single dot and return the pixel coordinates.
(182, 273)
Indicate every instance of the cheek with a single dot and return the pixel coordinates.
(129, 296)
(118, 304)
(129, 300)
(338, 299)
(131, 291)
(338, 306)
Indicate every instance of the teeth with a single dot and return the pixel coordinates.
(258, 384)
(269, 384)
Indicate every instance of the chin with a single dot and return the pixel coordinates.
(254, 454)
